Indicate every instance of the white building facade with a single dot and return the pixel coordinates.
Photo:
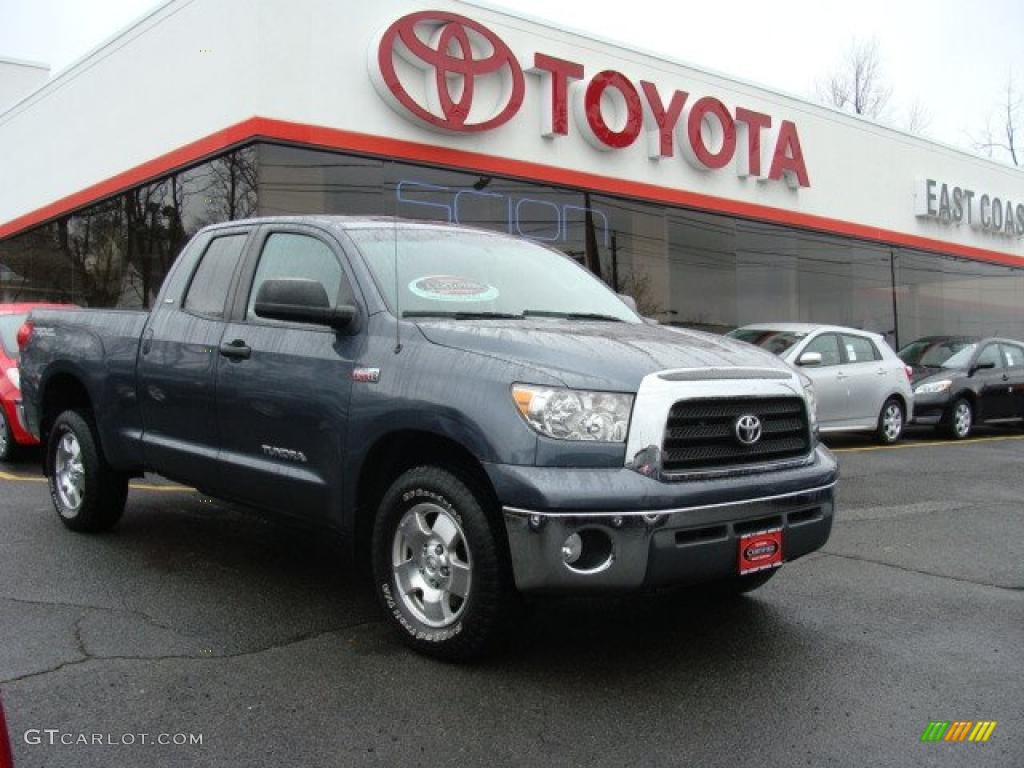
(714, 202)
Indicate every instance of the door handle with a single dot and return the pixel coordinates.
(147, 341)
(840, 375)
(236, 350)
(881, 371)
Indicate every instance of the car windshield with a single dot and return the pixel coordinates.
(9, 325)
(932, 353)
(776, 342)
(961, 358)
(468, 275)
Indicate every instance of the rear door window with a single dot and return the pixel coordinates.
(208, 292)
(859, 349)
(827, 345)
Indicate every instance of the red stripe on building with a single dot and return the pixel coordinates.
(398, 149)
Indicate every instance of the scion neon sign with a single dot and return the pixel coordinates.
(528, 217)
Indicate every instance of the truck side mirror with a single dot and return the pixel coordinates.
(298, 300)
(809, 359)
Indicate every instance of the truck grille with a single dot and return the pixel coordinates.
(703, 434)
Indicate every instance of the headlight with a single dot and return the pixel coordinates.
(933, 387)
(14, 377)
(573, 414)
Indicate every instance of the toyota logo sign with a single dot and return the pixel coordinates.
(748, 429)
(450, 73)
(452, 58)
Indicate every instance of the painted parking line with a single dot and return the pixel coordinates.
(930, 444)
(134, 486)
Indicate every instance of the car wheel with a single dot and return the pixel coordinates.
(439, 566)
(961, 419)
(88, 494)
(741, 585)
(890, 422)
(8, 448)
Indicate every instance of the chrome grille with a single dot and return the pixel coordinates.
(702, 435)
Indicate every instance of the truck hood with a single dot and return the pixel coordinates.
(598, 355)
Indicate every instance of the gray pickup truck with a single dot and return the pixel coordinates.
(476, 414)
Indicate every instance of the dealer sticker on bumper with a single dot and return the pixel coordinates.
(761, 550)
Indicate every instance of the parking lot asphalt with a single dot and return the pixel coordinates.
(196, 618)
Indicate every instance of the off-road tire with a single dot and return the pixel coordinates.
(490, 600)
(104, 489)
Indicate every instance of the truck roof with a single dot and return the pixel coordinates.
(339, 221)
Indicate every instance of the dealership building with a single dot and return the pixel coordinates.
(714, 202)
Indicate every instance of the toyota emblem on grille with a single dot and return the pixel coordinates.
(748, 429)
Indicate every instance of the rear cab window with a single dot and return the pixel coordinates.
(208, 290)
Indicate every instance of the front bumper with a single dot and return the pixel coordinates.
(682, 546)
(931, 409)
(692, 538)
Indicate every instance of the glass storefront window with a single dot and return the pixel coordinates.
(682, 267)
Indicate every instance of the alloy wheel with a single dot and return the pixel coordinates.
(431, 563)
(892, 422)
(962, 419)
(69, 472)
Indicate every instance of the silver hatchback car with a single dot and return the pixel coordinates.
(859, 382)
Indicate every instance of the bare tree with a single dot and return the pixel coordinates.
(918, 118)
(1007, 136)
(857, 85)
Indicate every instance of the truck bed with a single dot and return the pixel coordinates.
(99, 347)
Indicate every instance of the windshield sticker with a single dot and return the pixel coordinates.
(452, 288)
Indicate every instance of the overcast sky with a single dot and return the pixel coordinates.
(952, 56)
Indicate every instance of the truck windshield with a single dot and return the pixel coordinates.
(9, 325)
(467, 275)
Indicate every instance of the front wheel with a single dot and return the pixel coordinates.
(961, 419)
(890, 422)
(439, 567)
(88, 494)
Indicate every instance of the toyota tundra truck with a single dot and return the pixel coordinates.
(477, 415)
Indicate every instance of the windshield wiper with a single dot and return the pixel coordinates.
(572, 315)
(463, 315)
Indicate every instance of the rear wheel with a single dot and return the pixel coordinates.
(890, 422)
(961, 419)
(8, 448)
(88, 494)
(438, 564)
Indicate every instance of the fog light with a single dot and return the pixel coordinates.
(572, 549)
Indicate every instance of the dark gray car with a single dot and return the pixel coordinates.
(476, 413)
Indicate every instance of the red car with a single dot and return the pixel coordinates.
(12, 433)
(6, 760)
